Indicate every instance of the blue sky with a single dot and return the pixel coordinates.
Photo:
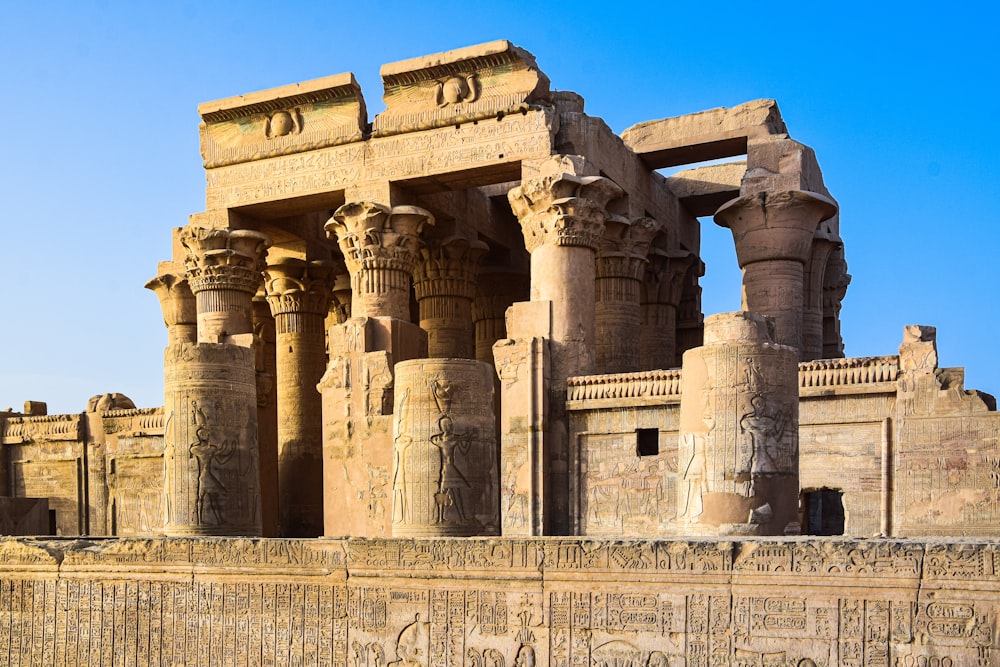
(100, 155)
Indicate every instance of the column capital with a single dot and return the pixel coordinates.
(449, 267)
(223, 258)
(775, 225)
(373, 236)
(663, 281)
(176, 299)
(297, 286)
(563, 209)
(624, 247)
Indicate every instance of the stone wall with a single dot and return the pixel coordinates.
(499, 602)
(911, 453)
(101, 471)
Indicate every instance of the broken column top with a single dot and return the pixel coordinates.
(475, 82)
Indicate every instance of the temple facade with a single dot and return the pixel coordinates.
(479, 316)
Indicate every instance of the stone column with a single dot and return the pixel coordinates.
(690, 319)
(773, 232)
(178, 304)
(562, 217)
(497, 290)
(381, 247)
(445, 285)
(299, 293)
(267, 413)
(210, 460)
(738, 458)
(824, 244)
(661, 289)
(836, 279)
(224, 271)
(621, 261)
(444, 479)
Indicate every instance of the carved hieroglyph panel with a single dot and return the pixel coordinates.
(622, 493)
(483, 144)
(135, 495)
(499, 602)
(445, 461)
(947, 475)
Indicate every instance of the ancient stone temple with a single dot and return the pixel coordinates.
(439, 391)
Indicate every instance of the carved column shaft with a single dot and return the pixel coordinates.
(210, 441)
(738, 456)
(444, 476)
(497, 290)
(621, 263)
(775, 289)
(265, 365)
(299, 296)
(562, 217)
(658, 336)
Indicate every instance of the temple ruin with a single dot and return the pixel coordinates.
(439, 390)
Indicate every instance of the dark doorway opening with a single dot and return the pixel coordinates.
(647, 441)
(824, 512)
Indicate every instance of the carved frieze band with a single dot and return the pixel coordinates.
(494, 602)
(664, 385)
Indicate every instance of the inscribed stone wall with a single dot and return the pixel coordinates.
(625, 460)
(499, 602)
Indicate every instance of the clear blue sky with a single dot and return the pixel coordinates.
(100, 154)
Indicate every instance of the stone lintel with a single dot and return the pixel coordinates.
(471, 155)
(280, 121)
(487, 80)
(706, 135)
(704, 189)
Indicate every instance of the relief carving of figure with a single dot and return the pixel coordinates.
(694, 477)
(766, 428)
(451, 482)
(209, 490)
(411, 646)
(525, 656)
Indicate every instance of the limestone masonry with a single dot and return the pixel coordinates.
(463, 344)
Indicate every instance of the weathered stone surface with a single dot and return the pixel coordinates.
(211, 481)
(445, 458)
(738, 458)
(556, 601)
(281, 121)
(486, 81)
(707, 135)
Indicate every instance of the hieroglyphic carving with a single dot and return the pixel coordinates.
(580, 605)
(502, 141)
(445, 465)
(210, 449)
(738, 462)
